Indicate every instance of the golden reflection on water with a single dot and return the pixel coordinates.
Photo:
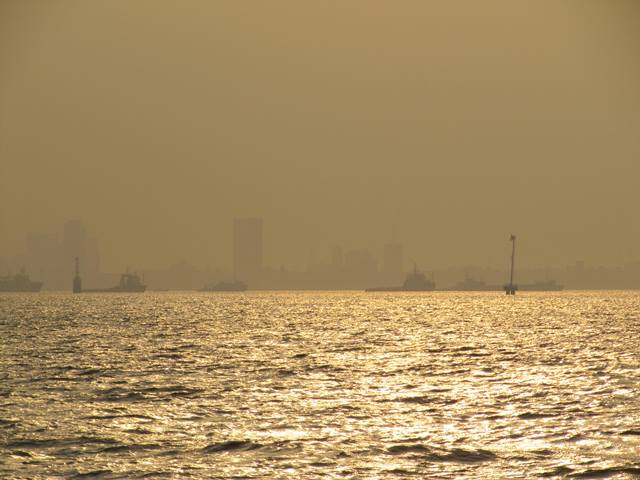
(303, 385)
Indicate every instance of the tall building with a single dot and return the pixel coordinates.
(74, 239)
(76, 243)
(247, 248)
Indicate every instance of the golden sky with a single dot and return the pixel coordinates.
(451, 123)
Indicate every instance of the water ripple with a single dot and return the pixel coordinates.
(320, 385)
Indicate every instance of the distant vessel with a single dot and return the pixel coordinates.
(20, 282)
(129, 282)
(416, 281)
(226, 287)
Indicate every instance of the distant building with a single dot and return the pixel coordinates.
(42, 257)
(247, 249)
(74, 239)
(360, 266)
(76, 243)
(393, 261)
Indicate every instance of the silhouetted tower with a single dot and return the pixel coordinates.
(77, 282)
(511, 288)
(247, 248)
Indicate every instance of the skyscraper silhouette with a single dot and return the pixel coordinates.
(76, 243)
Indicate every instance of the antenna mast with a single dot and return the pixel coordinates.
(77, 282)
(511, 288)
(513, 257)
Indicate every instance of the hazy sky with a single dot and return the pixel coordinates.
(451, 123)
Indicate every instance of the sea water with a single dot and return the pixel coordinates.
(320, 385)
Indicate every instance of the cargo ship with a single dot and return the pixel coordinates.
(20, 282)
(235, 286)
(129, 282)
(416, 281)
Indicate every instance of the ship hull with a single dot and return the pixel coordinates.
(33, 287)
(415, 282)
(398, 289)
(129, 283)
(114, 290)
(476, 289)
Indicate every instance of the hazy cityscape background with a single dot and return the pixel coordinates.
(49, 257)
(433, 129)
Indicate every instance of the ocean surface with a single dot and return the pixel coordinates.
(320, 385)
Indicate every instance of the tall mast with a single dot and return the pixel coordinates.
(510, 288)
(77, 282)
(513, 257)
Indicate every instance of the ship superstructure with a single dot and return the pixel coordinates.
(20, 282)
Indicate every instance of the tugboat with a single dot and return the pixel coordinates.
(129, 282)
(416, 281)
(234, 286)
(20, 282)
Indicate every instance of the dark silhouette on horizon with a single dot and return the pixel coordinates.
(353, 269)
(129, 283)
(19, 282)
(416, 281)
(511, 288)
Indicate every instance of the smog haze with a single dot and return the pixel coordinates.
(442, 125)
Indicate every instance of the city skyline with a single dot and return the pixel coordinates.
(49, 257)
